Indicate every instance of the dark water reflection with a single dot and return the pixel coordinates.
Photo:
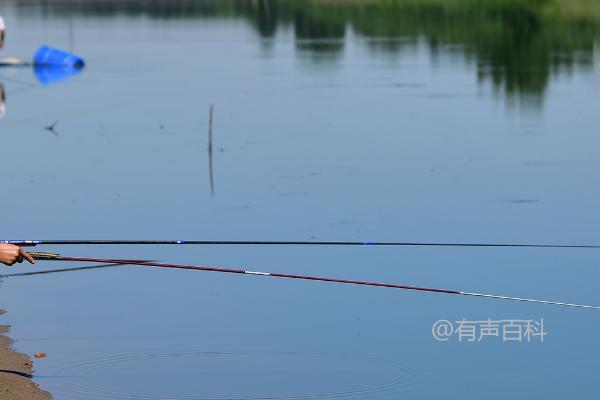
(516, 46)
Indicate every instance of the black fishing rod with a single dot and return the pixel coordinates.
(294, 243)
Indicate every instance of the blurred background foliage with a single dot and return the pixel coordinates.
(515, 44)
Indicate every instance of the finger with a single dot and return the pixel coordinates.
(27, 256)
(19, 259)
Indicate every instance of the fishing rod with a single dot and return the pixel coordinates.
(57, 257)
(293, 243)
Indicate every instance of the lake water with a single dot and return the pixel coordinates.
(331, 122)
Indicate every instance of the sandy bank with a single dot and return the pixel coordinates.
(16, 370)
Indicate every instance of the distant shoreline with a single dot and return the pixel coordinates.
(16, 370)
(580, 9)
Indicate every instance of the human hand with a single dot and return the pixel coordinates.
(11, 254)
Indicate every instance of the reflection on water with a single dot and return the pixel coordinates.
(211, 175)
(515, 46)
(45, 74)
(2, 100)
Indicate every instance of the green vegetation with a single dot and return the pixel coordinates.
(515, 44)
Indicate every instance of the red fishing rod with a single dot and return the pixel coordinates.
(57, 257)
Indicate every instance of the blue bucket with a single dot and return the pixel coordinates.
(48, 56)
(47, 74)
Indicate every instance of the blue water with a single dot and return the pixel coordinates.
(363, 145)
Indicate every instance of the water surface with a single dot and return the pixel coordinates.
(331, 122)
